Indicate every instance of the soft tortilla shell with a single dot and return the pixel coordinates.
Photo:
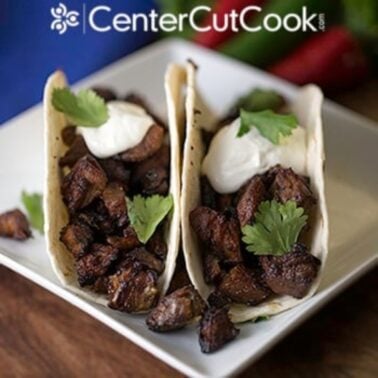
(307, 108)
(56, 215)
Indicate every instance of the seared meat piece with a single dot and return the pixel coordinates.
(150, 144)
(127, 242)
(210, 198)
(249, 199)
(208, 194)
(213, 272)
(147, 259)
(77, 237)
(216, 329)
(97, 218)
(96, 263)
(14, 225)
(224, 202)
(106, 93)
(116, 171)
(69, 135)
(157, 244)
(115, 202)
(133, 289)
(291, 274)
(289, 186)
(77, 150)
(220, 234)
(151, 176)
(101, 285)
(243, 285)
(138, 100)
(176, 310)
(83, 184)
(217, 299)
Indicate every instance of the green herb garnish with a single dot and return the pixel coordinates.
(270, 125)
(146, 213)
(33, 206)
(84, 109)
(260, 99)
(261, 318)
(276, 228)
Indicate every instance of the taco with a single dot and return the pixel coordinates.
(253, 211)
(112, 184)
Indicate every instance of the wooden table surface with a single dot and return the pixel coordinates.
(43, 336)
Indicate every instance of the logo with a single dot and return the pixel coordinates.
(102, 19)
(63, 18)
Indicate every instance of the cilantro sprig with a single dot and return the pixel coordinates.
(84, 109)
(146, 213)
(260, 99)
(271, 125)
(276, 228)
(33, 206)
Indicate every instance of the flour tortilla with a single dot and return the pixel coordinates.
(56, 214)
(307, 108)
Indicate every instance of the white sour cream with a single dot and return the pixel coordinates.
(126, 127)
(231, 161)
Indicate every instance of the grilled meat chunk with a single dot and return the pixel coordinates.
(133, 289)
(127, 242)
(150, 144)
(147, 259)
(77, 150)
(250, 197)
(243, 285)
(14, 225)
(97, 218)
(287, 186)
(96, 263)
(106, 93)
(69, 135)
(77, 237)
(151, 176)
(101, 285)
(218, 299)
(216, 329)
(291, 274)
(220, 234)
(116, 171)
(115, 202)
(176, 310)
(208, 194)
(157, 244)
(83, 184)
(213, 272)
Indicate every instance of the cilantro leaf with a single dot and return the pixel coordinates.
(276, 228)
(33, 206)
(270, 125)
(260, 99)
(84, 109)
(146, 213)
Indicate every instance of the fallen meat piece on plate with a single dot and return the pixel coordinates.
(215, 330)
(14, 225)
(176, 310)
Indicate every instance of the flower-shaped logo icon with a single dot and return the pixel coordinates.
(63, 18)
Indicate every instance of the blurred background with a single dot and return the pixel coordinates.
(341, 58)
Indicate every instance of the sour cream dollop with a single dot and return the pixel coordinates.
(126, 127)
(231, 161)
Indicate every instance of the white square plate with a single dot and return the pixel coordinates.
(352, 186)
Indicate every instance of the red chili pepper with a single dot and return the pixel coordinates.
(333, 60)
(213, 38)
